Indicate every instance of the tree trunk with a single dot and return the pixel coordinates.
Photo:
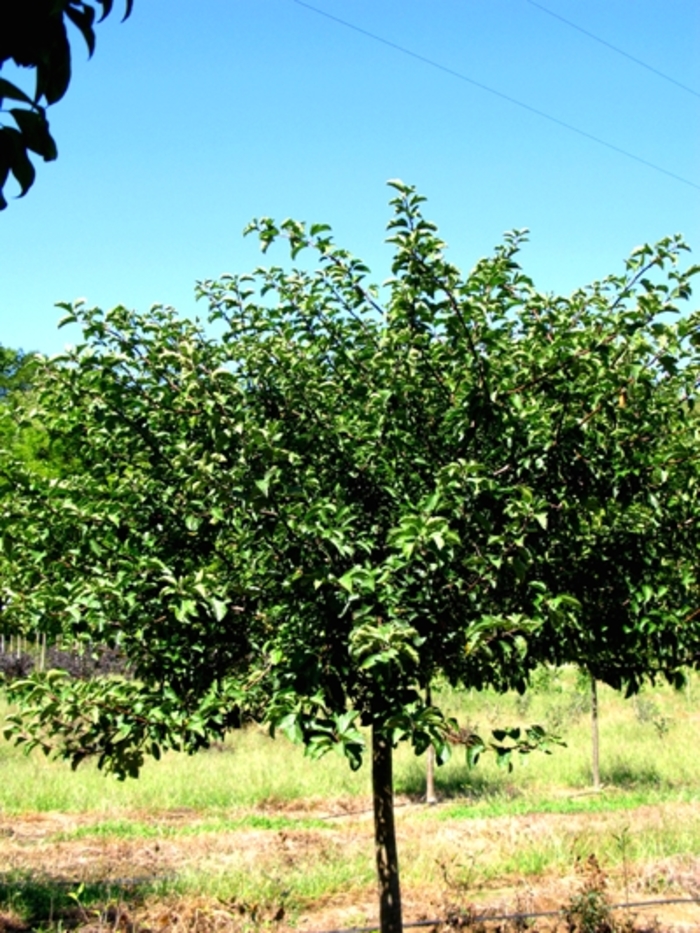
(385, 834)
(595, 737)
(430, 796)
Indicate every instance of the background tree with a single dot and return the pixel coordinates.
(33, 34)
(622, 476)
(22, 437)
(21, 440)
(16, 370)
(308, 518)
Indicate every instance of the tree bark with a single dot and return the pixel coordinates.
(430, 796)
(385, 834)
(595, 736)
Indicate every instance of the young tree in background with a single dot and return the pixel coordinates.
(308, 518)
(622, 478)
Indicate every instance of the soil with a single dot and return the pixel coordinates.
(58, 849)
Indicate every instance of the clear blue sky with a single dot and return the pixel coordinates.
(193, 117)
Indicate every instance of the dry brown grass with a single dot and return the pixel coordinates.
(261, 837)
(240, 879)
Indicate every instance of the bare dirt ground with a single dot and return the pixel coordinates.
(440, 862)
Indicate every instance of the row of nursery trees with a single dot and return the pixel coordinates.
(348, 492)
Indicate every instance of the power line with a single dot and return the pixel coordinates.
(609, 45)
(490, 90)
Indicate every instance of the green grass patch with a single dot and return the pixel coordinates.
(294, 884)
(599, 803)
(140, 829)
(250, 770)
(648, 750)
(42, 902)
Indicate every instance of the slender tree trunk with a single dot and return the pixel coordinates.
(430, 796)
(595, 736)
(385, 834)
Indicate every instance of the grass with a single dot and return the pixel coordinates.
(249, 770)
(41, 901)
(253, 770)
(257, 826)
(139, 829)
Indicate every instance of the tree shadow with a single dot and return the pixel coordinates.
(631, 776)
(452, 783)
(39, 901)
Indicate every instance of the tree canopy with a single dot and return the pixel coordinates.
(620, 473)
(16, 371)
(22, 436)
(346, 492)
(34, 34)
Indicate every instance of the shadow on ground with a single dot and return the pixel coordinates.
(452, 784)
(628, 777)
(31, 901)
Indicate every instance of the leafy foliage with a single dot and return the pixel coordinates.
(319, 511)
(22, 437)
(620, 473)
(33, 34)
(308, 518)
(16, 371)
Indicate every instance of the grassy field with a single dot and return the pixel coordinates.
(252, 832)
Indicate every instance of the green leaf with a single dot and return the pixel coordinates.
(12, 145)
(83, 17)
(220, 609)
(473, 754)
(35, 132)
(8, 89)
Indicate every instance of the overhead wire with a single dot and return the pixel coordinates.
(614, 48)
(503, 96)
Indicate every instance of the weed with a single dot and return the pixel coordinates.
(40, 902)
(662, 725)
(589, 911)
(622, 840)
(459, 879)
(647, 711)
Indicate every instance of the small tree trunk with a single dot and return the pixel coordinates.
(430, 796)
(595, 737)
(385, 834)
